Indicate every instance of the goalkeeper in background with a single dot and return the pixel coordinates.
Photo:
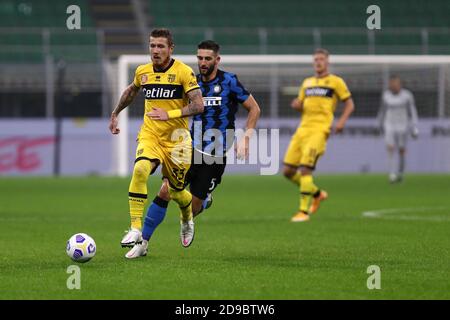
(397, 118)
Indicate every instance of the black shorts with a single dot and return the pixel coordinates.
(204, 177)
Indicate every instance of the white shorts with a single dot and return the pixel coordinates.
(396, 138)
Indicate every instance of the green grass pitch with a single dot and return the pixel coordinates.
(245, 246)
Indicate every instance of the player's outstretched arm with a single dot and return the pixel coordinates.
(126, 99)
(253, 115)
(253, 112)
(195, 106)
(349, 106)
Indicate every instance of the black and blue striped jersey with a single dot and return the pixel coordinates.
(211, 128)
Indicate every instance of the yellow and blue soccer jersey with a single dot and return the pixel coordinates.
(221, 97)
(165, 89)
(320, 97)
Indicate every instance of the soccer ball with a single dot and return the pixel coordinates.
(81, 247)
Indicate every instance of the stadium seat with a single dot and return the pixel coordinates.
(320, 14)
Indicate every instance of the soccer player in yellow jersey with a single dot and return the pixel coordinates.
(171, 95)
(317, 100)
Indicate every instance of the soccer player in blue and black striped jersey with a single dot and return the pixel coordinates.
(213, 130)
(222, 93)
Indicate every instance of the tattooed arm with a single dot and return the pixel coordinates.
(126, 99)
(196, 103)
(195, 106)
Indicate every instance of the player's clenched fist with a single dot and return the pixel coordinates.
(113, 124)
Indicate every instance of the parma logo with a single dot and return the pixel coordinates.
(171, 78)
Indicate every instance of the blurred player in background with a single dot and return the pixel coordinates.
(222, 93)
(171, 94)
(397, 118)
(317, 100)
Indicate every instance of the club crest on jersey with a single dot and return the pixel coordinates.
(217, 88)
(212, 101)
(144, 78)
(171, 78)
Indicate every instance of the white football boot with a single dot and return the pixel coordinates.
(187, 233)
(208, 201)
(132, 237)
(139, 250)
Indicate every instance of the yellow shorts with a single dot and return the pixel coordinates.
(305, 148)
(174, 157)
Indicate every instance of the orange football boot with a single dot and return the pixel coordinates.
(300, 216)
(323, 195)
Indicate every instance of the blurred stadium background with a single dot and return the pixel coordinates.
(49, 73)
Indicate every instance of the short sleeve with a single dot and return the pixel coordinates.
(188, 80)
(341, 90)
(239, 90)
(301, 92)
(136, 80)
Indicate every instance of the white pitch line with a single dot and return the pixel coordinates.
(404, 214)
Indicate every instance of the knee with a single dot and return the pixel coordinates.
(174, 194)
(164, 191)
(289, 172)
(141, 170)
(306, 171)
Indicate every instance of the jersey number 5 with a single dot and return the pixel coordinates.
(213, 184)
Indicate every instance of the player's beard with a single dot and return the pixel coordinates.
(163, 63)
(208, 72)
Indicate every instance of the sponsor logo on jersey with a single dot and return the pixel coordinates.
(212, 101)
(319, 92)
(163, 91)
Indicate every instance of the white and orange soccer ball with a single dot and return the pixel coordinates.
(81, 247)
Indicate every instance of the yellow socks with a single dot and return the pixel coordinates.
(184, 200)
(137, 192)
(307, 190)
